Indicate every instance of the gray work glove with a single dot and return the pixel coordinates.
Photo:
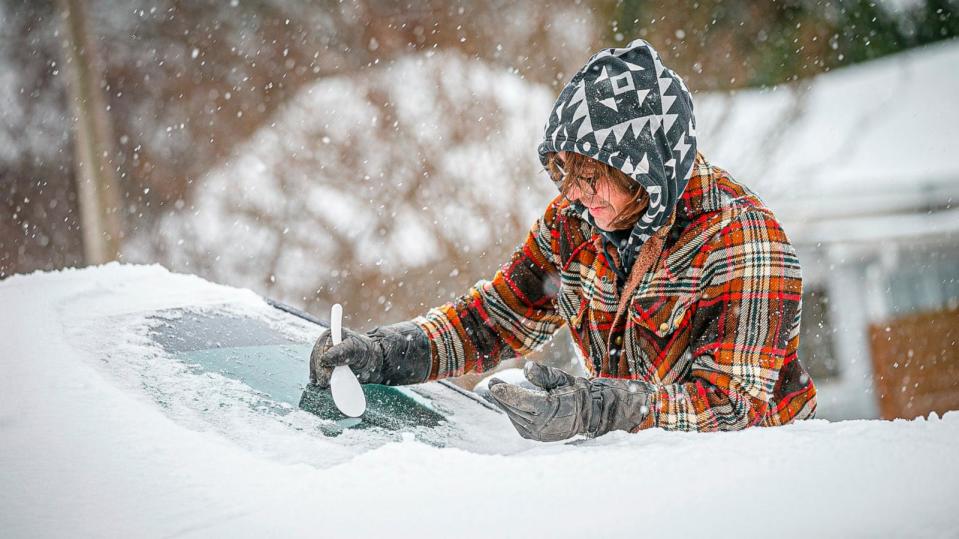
(568, 406)
(390, 355)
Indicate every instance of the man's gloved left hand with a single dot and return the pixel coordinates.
(568, 406)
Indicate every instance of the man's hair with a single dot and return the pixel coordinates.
(580, 170)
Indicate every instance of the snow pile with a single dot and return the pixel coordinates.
(86, 453)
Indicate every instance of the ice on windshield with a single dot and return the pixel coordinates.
(272, 359)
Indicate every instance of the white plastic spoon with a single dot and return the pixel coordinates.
(347, 392)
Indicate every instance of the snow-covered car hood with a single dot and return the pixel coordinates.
(103, 435)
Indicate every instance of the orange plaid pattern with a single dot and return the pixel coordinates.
(712, 329)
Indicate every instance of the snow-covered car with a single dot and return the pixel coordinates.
(250, 356)
(138, 402)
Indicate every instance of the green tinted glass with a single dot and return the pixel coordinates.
(253, 352)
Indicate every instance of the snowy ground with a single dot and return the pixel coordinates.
(85, 453)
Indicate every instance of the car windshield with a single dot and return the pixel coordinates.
(230, 364)
(272, 357)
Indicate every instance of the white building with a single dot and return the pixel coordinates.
(859, 165)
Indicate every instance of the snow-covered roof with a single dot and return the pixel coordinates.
(874, 138)
(87, 451)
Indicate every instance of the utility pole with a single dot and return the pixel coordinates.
(97, 186)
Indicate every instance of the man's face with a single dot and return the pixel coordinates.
(604, 201)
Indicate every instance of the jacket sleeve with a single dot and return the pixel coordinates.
(744, 325)
(512, 315)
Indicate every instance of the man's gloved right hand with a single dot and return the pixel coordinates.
(391, 355)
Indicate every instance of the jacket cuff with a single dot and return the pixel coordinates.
(654, 402)
(443, 344)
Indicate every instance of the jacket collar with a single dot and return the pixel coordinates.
(702, 194)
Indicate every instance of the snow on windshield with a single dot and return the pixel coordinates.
(219, 387)
(98, 425)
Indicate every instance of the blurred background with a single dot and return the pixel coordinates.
(382, 154)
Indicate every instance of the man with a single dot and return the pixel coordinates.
(679, 287)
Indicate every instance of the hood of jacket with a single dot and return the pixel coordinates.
(628, 110)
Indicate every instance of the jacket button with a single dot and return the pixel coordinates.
(663, 327)
(619, 340)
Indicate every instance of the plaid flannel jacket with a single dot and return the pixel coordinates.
(711, 330)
